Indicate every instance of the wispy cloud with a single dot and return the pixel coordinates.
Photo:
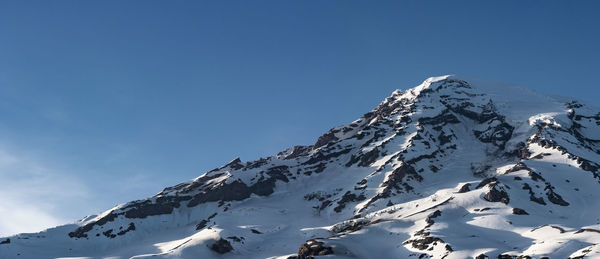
(32, 195)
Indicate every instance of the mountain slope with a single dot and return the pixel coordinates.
(449, 169)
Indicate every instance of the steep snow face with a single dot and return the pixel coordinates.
(452, 168)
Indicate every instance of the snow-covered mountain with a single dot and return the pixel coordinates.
(452, 168)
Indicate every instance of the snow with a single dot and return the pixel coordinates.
(375, 211)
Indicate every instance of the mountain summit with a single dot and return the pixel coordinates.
(453, 168)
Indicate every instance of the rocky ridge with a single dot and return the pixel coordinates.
(448, 169)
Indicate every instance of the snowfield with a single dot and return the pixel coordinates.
(453, 168)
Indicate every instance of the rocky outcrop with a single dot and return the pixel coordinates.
(221, 246)
(519, 211)
(495, 194)
(312, 248)
(465, 188)
(348, 197)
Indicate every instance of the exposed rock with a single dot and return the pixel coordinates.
(497, 135)
(296, 151)
(235, 164)
(131, 227)
(80, 232)
(486, 181)
(532, 196)
(313, 248)
(587, 230)
(433, 215)
(279, 173)
(234, 191)
(519, 211)
(369, 158)
(423, 243)
(163, 205)
(321, 157)
(397, 176)
(204, 222)
(6, 241)
(109, 233)
(495, 195)
(221, 246)
(444, 118)
(348, 197)
(325, 139)
(350, 225)
(554, 197)
(465, 188)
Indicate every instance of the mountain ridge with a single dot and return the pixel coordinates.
(394, 183)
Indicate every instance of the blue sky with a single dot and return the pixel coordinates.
(108, 101)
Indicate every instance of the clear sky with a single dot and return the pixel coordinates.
(102, 102)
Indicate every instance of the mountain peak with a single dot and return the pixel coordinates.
(426, 173)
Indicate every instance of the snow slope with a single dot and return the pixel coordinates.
(453, 168)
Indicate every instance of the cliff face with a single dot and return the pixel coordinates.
(449, 169)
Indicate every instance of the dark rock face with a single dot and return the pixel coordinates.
(322, 156)
(554, 197)
(163, 205)
(221, 191)
(587, 230)
(422, 239)
(433, 215)
(325, 139)
(131, 227)
(486, 181)
(497, 135)
(297, 151)
(234, 191)
(404, 171)
(495, 195)
(532, 196)
(235, 164)
(550, 193)
(424, 243)
(465, 188)
(348, 197)
(237, 190)
(7, 241)
(204, 222)
(518, 211)
(396, 181)
(388, 107)
(221, 246)
(313, 248)
(81, 231)
(109, 233)
(353, 225)
(446, 117)
(365, 159)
